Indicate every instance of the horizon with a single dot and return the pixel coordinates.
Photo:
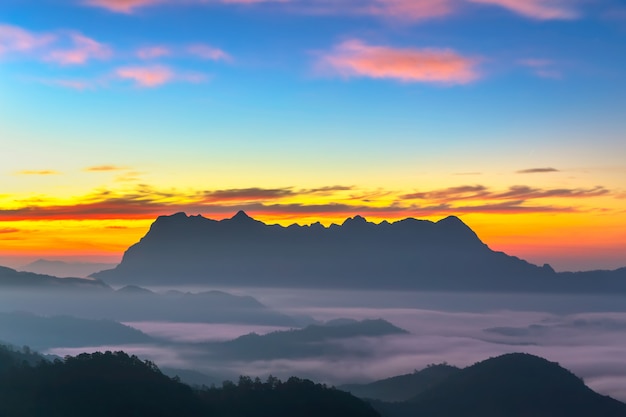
(507, 114)
(23, 262)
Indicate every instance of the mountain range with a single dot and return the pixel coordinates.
(408, 254)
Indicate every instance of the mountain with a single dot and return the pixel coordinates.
(512, 385)
(63, 331)
(65, 269)
(12, 279)
(313, 340)
(407, 254)
(243, 251)
(402, 387)
(139, 304)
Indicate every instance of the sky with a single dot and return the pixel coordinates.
(506, 113)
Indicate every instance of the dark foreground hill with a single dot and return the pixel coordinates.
(407, 254)
(115, 384)
(513, 385)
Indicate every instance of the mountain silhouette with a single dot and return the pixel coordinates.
(12, 279)
(512, 385)
(402, 387)
(407, 254)
(65, 269)
(313, 340)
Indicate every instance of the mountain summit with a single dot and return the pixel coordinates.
(242, 251)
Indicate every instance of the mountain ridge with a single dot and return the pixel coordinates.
(405, 254)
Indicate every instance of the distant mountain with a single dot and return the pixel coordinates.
(12, 279)
(402, 387)
(313, 340)
(65, 269)
(64, 331)
(513, 385)
(407, 254)
(139, 304)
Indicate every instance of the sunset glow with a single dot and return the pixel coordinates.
(508, 114)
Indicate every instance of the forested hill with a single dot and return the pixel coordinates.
(116, 384)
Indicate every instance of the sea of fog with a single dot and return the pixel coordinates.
(586, 334)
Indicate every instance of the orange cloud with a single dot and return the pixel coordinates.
(152, 52)
(152, 76)
(536, 9)
(16, 39)
(39, 172)
(354, 58)
(208, 52)
(537, 170)
(104, 168)
(82, 50)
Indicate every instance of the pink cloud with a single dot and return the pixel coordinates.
(410, 9)
(152, 52)
(536, 9)
(16, 39)
(122, 6)
(152, 76)
(208, 52)
(354, 58)
(83, 49)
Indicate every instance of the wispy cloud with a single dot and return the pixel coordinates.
(208, 52)
(157, 75)
(536, 170)
(7, 230)
(38, 172)
(17, 39)
(152, 76)
(151, 52)
(104, 168)
(536, 9)
(543, 68)
(355, 58)
(82, 50)
(145, 202)
(123, 6)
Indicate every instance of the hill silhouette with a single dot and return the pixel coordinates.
(512, 385)
(407, 254)
(12, 279)
(313, 340)
(114, 384)
(65, 269)
(65, 331)
(139, 304)
(402, 387)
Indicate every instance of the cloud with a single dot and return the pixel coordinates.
(7, 230)
(543, 68)
(152, 76)
(354, 58)
(208, 52)
(83, 49)
(17, 39)
(38, 172)
(122, 6)
(104, 168)
(247, 194)
(151, 52)
(526, 192)
(536, 170)
(536, 9)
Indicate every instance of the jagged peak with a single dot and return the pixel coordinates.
(241, 216)
(356, 220)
